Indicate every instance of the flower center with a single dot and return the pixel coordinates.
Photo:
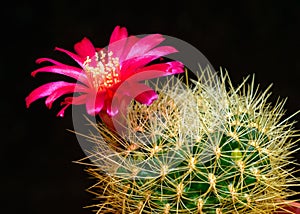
(102, 70)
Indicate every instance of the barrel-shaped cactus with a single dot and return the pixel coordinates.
(206, 148)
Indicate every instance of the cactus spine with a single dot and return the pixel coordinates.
(211, 148)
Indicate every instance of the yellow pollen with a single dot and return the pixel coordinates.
(103, 70)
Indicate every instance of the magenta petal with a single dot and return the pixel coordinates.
(43, 91)
(41, 60)
(112, 103)
(77, 58)
(144, 45)
(132, 64)
(141, 93)
(66, 70)
(147, 97)
(117, 34)
(62, 91)
(75, 100)
(71, 100)
(94, 103)
(61, 113)
(153, 71)
(118, 105)
(137, 62)
(161, 51)
(117, 41)
(168, 68)
(176, 67)
(85, 48)
(112, 110)
(129, 43)
(117, 47)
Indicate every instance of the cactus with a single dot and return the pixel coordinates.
(205, 147)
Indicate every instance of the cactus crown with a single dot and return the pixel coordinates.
(210, 148)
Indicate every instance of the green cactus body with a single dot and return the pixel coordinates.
(199, 150)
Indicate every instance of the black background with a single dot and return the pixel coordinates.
(37, 173)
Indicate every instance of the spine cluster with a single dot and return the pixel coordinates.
(206, 148)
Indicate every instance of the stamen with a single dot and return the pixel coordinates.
(103, 70)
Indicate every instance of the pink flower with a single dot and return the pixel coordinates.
(126, 61)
